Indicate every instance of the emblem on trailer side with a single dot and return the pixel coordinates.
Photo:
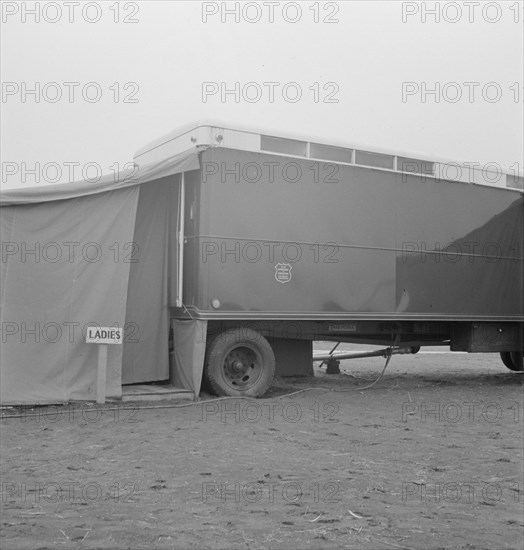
(283, 273)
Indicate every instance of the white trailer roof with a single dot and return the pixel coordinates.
(218, 134)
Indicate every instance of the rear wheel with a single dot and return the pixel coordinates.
(513, 360)
(239, 362)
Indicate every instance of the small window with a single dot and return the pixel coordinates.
(415, 166)
(373, 159)
(328, 152)
(283, 146)
(517, 182)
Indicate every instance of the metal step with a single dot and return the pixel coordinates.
(155, 392)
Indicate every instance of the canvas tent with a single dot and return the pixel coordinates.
(83, 254)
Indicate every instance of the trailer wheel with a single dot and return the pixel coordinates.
(513, 360)
(239, 362)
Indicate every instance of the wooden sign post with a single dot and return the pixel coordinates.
(102, 336)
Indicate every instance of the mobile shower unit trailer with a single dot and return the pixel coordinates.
(281, 242)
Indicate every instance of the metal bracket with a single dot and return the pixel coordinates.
(333, 366)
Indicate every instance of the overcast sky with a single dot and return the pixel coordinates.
(364, 71)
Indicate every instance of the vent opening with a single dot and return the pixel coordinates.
(330, 152)
(284, 146)
(378, 160)
(516, 182)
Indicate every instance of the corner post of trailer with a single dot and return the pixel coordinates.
(181, 221)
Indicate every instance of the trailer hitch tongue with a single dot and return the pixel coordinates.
(358, 355)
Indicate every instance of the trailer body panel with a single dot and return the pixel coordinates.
(273, 237)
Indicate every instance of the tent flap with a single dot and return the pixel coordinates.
(146, 356)
(64, 269)
(189, 341)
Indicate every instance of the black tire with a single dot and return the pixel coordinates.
(513, 360)
(239, 363)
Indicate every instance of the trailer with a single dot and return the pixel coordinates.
(243, 247)
(284, 241)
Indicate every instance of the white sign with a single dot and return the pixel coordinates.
(104, 335)
(283, 273)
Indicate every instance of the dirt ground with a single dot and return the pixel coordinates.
(431, 457)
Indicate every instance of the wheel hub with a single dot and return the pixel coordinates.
(242, 366)
(237, 366)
